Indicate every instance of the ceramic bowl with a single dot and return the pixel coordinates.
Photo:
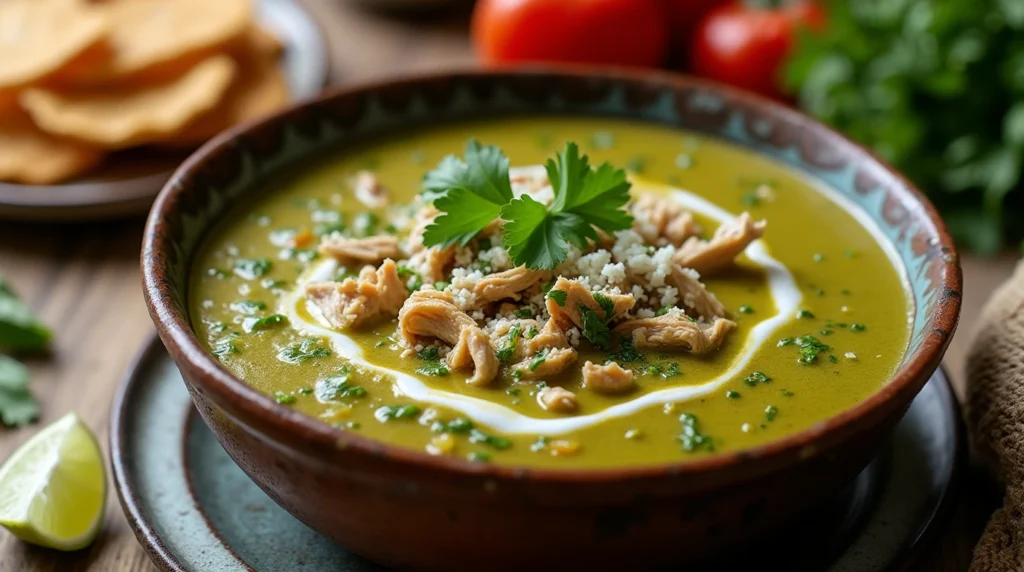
(411, 510)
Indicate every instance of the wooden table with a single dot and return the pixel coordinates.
(84, 281)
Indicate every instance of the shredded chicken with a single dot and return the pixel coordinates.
(424, 217)
(432, 264)
(662, 221)
(695, 296)
(609, 378)
(355, 301)
(429, 314)
(369, 191)
(370, 250)
(675, 330)
(550, 336)
(557, 399)
(507, 284)
(500, 337)
(576, 295)
(545, 365)
(728, 242)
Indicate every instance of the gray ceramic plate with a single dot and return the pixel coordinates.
(128, 181)
(194, 510)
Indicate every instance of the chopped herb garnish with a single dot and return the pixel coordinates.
(386, 413)
(559, 296)
(335, 387)
(651, 369)
(478, 457)
(513, 391)
(606, 304)
(540, 444)
(750, 199)
(595, 330)
(826, 332)
(845, 292)
(770, 412)
(810, 348)
(756, 378)
(531, 332)
(732, 394)
(225, 346)
(500, 443)
(255, 323)
(457, 425)
(857, 327)
(433, 369)
(305, 350)
(787, 393)
(247, 307)
(692, 438)
(537, 360)
(746, 309)
(429, 354)
(663, 310)
(252, 268)
(627, 353)
(805, 315)
(507, 349)
(284, 398)
(20, 329)
(524, 313)
(305, 390)
(671, 371)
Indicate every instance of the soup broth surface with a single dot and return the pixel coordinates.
(846, 295)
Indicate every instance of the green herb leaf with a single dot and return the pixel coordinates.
(585, 198)
(594, 328)
(434, 369)
(335, 387)
(559, 296)
(470, 193)
(500, 443)
(256, 323)
(17, 406)
(249, 269)
(388, 412)
(20, 330)
(248, 307)
(305, 350)
(508, 344)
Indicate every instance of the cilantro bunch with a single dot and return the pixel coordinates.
(473, 191)
(936, 87)
(20, 332)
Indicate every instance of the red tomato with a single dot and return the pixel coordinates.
(617, 32)
(745, 46)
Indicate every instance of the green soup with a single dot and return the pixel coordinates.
(795, 357)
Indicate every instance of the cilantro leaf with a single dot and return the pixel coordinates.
(470, 193)
(17, 406)
(20, 330)
(595, 329)
(535, 237)
(539, 236)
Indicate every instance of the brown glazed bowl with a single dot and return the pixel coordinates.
(410, 510)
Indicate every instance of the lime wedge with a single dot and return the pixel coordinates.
(54, 487)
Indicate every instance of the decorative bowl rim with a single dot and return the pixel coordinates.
(188, 352)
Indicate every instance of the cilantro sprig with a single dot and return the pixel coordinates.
(473, 192)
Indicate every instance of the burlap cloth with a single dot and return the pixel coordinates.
(995, 419)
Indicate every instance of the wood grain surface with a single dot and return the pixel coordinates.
(84, 281)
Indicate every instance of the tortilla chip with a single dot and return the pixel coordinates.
(39, 37)
(113, 116)
(28, 155)
(157, 39)
(259, 89)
